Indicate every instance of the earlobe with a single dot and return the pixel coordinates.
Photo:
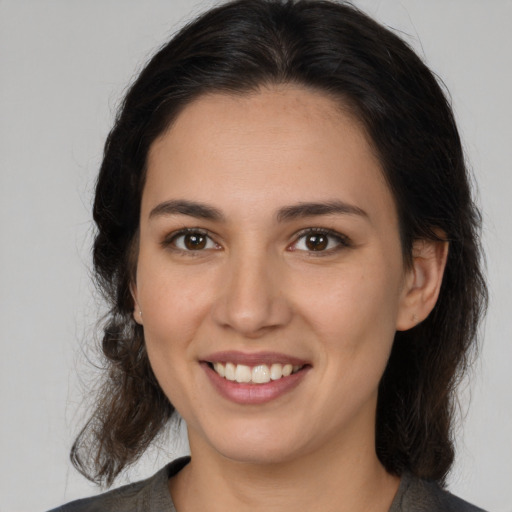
(422, 282)
(137, 312)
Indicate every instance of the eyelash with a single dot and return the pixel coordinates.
(170, 241)
(341, 241)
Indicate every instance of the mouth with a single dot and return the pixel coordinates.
(258, 374)
(254, 378)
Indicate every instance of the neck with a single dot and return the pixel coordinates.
(342, 479)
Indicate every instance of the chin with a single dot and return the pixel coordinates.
(258, 445)
(257, 454)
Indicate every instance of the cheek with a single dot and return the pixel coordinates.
(354, 320)
(350, 301)
(174, 305)
(169, 294)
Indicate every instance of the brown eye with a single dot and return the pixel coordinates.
(317, 241)
(195, 241)
(191, 241)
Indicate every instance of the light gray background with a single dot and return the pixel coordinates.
(63, 67)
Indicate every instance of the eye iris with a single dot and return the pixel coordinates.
(316, 242)
(195, 241)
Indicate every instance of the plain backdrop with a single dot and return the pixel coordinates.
(64, 65)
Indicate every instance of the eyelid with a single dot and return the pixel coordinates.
(169, 239)
(343, 240)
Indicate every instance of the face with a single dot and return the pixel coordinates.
(269, 244)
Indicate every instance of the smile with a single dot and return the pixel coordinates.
(254, 378)
(258, 374)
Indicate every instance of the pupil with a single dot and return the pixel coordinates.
(194, 241)
(316, 242)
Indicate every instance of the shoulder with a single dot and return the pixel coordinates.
(416, 495)
(150, 495)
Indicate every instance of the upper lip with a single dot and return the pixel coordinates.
(253, 359)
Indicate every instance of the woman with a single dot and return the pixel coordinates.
(289, 246)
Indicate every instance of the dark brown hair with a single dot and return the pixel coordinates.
(337, 50)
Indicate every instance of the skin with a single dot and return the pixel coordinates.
(256, 286)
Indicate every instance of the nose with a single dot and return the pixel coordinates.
(252, 299)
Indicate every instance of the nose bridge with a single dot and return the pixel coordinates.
(251, 299)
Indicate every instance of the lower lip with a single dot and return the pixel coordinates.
(254, 394)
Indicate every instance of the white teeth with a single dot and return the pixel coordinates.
(243, 373)
(259, 374)
(229, 371)
(276, 371)
(219, 368)
(287, 370)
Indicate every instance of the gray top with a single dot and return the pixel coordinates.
(152, 495)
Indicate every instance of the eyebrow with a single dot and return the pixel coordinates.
(190, 208)
(312, 209)
(287, 213)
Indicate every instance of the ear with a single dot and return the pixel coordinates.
(422, 282)
(137, 312)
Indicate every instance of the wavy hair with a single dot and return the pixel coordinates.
(335, 49)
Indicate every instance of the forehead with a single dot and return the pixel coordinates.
(245, 147)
